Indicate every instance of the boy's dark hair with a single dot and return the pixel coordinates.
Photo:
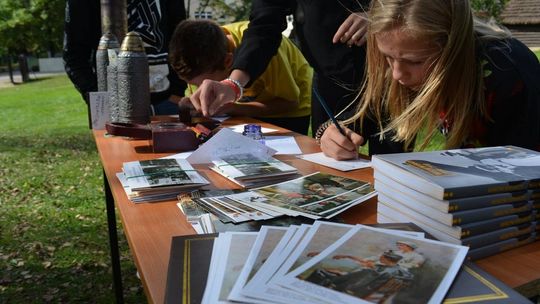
(197, 47)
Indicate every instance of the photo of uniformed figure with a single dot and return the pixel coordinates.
(381, 268)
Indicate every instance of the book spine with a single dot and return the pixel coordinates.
(484, 189)
(391, 206)
(508, 244)
(476, 202)
(497, 223)
(496, 236)
(475, 215)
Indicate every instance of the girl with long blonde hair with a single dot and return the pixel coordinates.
(432, 66)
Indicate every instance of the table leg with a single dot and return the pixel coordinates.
(113, 242)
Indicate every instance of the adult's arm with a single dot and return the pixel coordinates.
(263, 36)
(82, 31)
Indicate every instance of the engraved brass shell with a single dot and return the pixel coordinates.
(132, 43)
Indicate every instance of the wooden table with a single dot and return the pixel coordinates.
(149, 226)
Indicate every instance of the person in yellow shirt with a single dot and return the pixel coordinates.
(202, 50)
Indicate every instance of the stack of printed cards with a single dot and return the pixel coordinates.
(248, 170)
(313, 196)
(318, 195)
(159, 179)
(330, 263)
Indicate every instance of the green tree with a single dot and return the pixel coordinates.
(227, 10)
(488, 8)
(30, 26)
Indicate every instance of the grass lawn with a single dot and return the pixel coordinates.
(53, 235)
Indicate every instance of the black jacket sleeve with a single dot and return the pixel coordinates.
(176, 14)
(82, 31)
(512, 95)
(262, 38)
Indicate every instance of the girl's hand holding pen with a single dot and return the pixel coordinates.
(338, 146)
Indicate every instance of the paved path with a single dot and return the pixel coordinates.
(6, 83)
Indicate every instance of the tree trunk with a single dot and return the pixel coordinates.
(23, 67)
(10, 69)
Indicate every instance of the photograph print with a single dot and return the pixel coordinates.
(369, 266)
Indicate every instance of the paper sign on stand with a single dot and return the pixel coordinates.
(99, 109)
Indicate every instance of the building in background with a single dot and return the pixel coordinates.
(522, 18)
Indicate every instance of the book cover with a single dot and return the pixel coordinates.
(450, 205)
(463, 172)
(458, 217)
(471, 285)
(188, 268)
(392, 208)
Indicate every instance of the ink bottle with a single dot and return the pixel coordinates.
(254, 132)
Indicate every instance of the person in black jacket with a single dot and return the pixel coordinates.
(330, 35)
(432, 66)
(155, 22)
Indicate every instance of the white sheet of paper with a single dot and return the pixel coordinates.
(226, 142)
(240, 129)
(182, 155)
(342, 165)
(99, 109)
(283, 144)
(221, 118)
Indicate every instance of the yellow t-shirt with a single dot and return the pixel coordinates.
(287, 76)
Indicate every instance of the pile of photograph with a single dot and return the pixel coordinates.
(313, 196)
(249, 171)
(487, 198)
(159, 179)
(330, 263)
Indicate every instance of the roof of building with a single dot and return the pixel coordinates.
(521, 12)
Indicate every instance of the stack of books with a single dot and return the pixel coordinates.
(248, 170)
(159, 179)
(320, 263)
(484, 198)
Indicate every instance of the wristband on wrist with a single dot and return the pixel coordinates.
(320, 131)
(236, 86)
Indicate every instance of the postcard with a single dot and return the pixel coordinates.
(258, 287)
(385, 267)
(233, 214)
(234, 250)
(266, 242)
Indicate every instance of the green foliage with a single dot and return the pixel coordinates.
(53, 238)
(231, 11)
(31, 25)
(488, 8)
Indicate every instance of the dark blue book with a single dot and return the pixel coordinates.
(461, 173)
(498, 247)
(383, 181)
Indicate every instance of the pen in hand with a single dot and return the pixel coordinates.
(328, 111)
(330, 114)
